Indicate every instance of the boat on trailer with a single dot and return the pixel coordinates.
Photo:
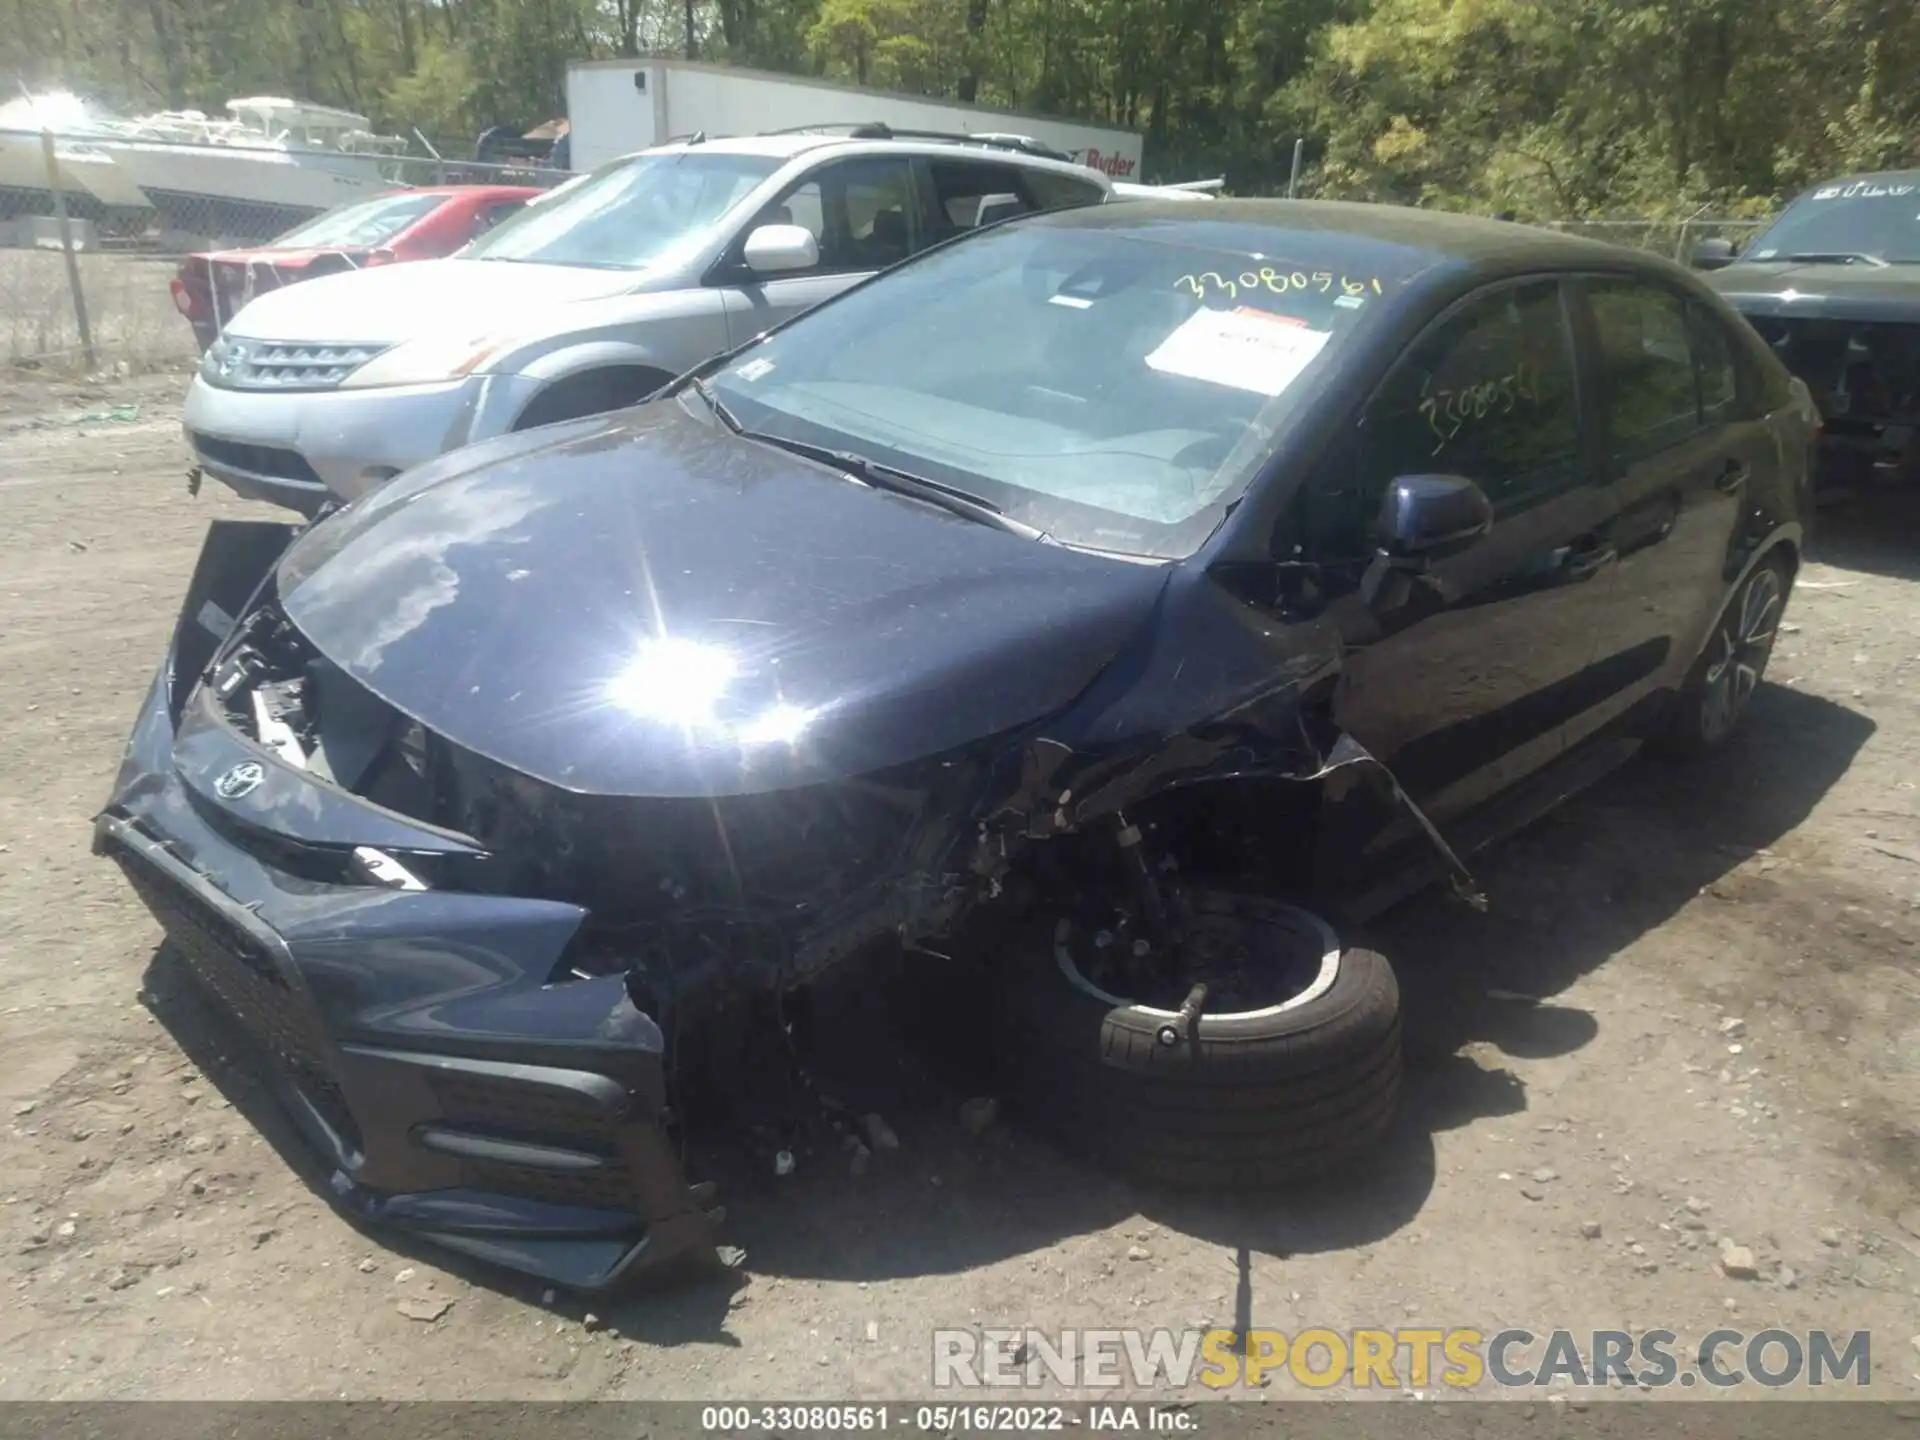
(265, 165)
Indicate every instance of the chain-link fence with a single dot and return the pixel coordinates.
(1676, 239)
(144, 223)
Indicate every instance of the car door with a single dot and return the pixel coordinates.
(1465, 675)
(864, 216)
(1680, 448)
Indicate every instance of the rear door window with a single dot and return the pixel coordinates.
(1719, 375)
(1647, 377)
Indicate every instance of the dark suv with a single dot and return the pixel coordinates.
(1833, 285)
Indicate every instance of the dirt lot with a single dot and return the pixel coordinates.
(1691, 1013)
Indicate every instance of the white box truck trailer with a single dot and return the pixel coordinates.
(615, 107)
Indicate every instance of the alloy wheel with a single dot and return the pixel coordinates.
(1741, 646)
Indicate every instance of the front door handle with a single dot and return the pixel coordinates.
(1587, 557)
(1733, 475)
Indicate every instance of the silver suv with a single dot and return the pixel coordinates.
(587, 300)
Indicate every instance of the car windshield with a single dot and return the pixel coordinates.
(1113, 387)
(370, 222)
(629, 215)
(1875, 219)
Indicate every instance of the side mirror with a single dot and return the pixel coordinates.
(1713, 254)
(1428, 517)
(780, 249)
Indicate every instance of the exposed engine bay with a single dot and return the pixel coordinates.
(1864, 376)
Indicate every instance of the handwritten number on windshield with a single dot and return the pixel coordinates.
(1199, 283)
(1277, 282)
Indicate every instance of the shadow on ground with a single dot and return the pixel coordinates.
(1567, 895)
(1873, 528)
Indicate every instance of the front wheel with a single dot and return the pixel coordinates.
(1291, 1070)
(1721, 685)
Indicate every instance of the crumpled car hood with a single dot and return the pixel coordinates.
(646, 604)
(1789, 289)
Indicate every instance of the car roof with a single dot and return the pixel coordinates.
(1250, 225)
(787, 144)
(780, 146)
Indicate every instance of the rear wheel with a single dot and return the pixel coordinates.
(1715, 697)
(1290, 1068)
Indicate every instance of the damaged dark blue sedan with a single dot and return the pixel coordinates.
(1110, 605)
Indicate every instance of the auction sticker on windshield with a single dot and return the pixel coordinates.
(1243, 348)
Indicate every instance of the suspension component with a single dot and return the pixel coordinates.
(1146, 886)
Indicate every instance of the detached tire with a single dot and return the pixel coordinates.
(1248, 1100)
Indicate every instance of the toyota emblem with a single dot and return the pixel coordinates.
(242, 779)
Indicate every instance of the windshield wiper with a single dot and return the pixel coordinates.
(724, 415)
(884, 477)
(1831, 257)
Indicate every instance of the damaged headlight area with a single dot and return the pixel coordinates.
(691, 898)
(1864, 375)
(272, 686)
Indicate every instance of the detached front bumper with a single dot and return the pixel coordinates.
(419, 1039)
(303, 448)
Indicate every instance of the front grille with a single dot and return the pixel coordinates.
(255, 459)
(239, 975)
(287, 365)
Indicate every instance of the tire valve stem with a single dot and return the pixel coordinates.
(1176, 1030)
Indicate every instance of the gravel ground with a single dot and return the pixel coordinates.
(1690, 1019)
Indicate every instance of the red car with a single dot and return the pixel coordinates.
(390, 228)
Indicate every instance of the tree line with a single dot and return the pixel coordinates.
(1546, 108)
